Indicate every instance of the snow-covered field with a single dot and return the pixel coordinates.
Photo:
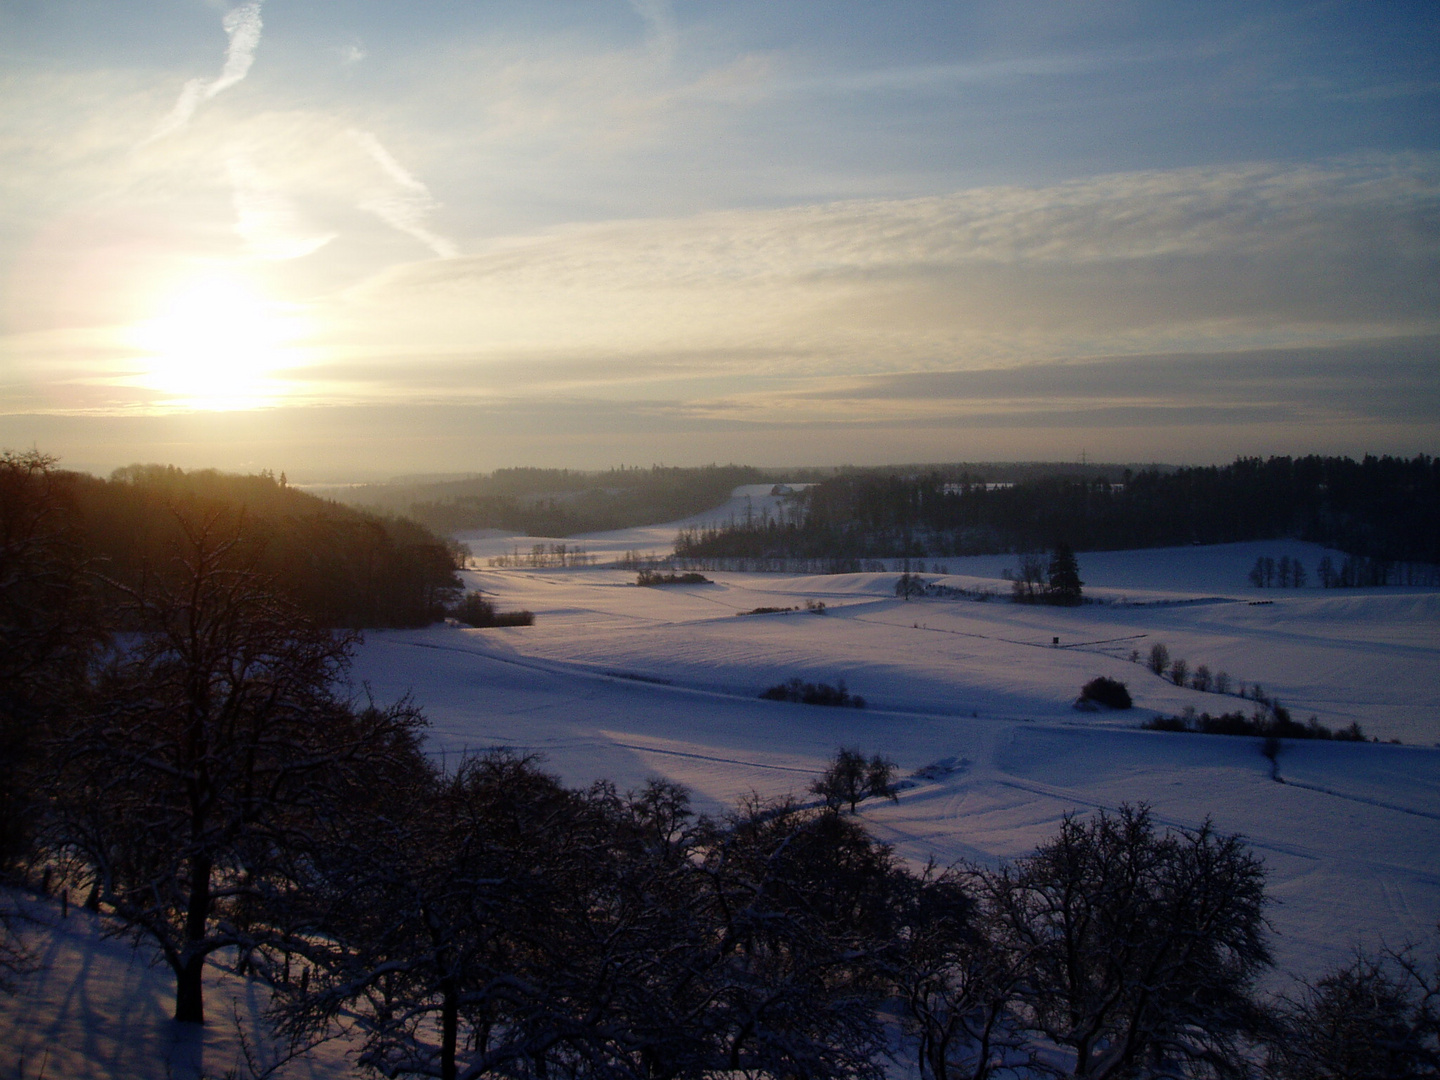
(624, 683)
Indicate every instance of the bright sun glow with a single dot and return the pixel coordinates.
(214, 345)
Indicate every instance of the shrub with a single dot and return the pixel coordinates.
(475, 610)
(1179, 669)
(654, 577)
(1276, 724)
(808, 693)
(1107, 691)
(514, 618)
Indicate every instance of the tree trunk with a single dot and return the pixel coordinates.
(189, 994)
(449, 1029)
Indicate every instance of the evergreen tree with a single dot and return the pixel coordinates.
(1065, 580)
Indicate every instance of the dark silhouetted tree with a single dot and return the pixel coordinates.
(1159, 658)
(1064, 576)
(211, 744)
(1375, 1018)
(850, 779)
(1139, 948)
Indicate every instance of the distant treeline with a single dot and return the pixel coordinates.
(1386, 509)
(343, 567)
(560, 502)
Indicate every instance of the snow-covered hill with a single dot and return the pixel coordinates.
(625, 683)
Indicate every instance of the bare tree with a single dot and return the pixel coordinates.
(208, 750)
(802, 913)
(48, 638)
(1141, 949)
(1031, 577)
(1159, 658)
(850, 779)
(494, 923)
(432, 917)
(1375, 1018)
(957, 977)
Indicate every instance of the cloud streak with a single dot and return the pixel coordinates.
(242, 26)
(405, 203)
(1212, 259)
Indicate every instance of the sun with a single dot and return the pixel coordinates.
(214, 343)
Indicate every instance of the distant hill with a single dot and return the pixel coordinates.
(558, 502)
(346, 567)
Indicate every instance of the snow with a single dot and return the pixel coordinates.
(99, 1008)
(621, 682)
(625, 683)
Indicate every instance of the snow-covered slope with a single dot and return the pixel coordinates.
(625, 683)
(100, 1010)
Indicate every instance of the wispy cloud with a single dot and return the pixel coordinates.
(1220, 258)
(1397, 379)
(266, 220)
(405, 202)
(353, 53)
(242, 25)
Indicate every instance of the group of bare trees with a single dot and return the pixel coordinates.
(206, 752)
(170, 750)
(503, 925)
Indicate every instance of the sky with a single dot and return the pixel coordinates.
(352, 239)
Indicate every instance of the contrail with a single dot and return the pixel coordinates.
(406, 208)
(242, 25)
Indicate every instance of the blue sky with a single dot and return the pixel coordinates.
(347, 238)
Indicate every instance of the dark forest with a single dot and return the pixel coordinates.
(1383, 508)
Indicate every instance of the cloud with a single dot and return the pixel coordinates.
(266, 220)
(1363, 381)
(353, 53)
(406, 202)
(242, 26)
(1210, 259)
